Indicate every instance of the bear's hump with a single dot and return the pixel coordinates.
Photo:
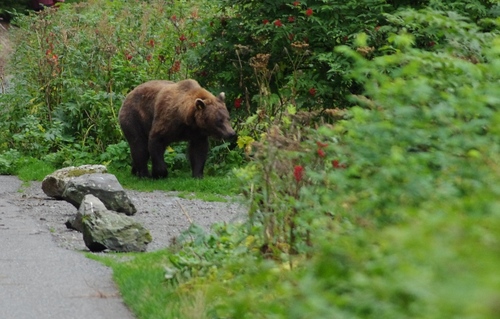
(188, 85)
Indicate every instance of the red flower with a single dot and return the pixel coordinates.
(296, 3)
(291, 19)
(309, 12)
(336, 164)
(278, 23)
(182, 38)
(321, 144)
(176, 67)
(312, 91)
(298, 173)
(321, 153)
(128, 56)
(148, 57)
(237, 102)
(151, 43)
(174, 17)
(265, 21)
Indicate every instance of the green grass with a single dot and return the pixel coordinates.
(210, 188)
(141, 281)
(31, 169)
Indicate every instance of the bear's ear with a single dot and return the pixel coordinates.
(222, 96)
(200, 105)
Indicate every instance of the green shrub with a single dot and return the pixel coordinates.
(8, 162)
(273, 54)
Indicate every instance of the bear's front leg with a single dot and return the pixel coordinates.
(157, 149)
(198, 153)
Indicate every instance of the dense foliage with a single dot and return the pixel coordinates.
(271, 53)
(75, 64)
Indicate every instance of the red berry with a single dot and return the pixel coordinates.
(321, 144)
(298, 173)
(237, 102)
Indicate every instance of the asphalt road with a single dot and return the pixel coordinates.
(40, 280)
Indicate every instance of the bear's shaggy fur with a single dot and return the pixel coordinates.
(158, 113)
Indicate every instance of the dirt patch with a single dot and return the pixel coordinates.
(163, 213)
(5, 50)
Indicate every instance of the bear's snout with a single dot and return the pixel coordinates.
(225, 133)
(231, 135)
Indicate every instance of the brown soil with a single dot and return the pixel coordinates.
(5, 50)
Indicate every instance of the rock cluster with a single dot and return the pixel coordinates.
(102, 208)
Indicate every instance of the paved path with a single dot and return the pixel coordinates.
(39, 280)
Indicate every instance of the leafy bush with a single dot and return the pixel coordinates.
(390, 212)
(273, 54)
(8, 161)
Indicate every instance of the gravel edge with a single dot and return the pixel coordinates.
(164, 214)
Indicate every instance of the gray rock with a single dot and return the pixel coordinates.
(104, 229)
(89, 205)
(103, 186)
(53, 185)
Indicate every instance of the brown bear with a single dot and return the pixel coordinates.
(158, 113)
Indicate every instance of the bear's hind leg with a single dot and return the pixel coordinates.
(198, 153)
(140, 158)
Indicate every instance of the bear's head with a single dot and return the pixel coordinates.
(213, 118)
